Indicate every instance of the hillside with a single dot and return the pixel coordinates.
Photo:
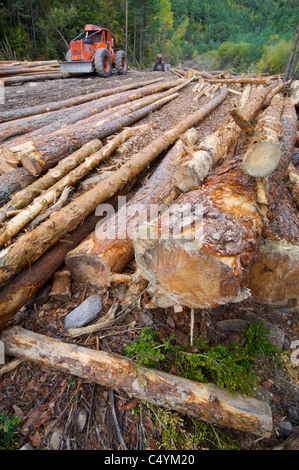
(225, 33)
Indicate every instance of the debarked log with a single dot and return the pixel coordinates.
(32, 245)
(109, 249)
(200, 251)
(205, 401)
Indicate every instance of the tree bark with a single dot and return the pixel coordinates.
(205, 261)
(205, 401)
(14, 114)
(191, 172)
(26, 284)
(14, 181)
(33, 244)
(109, 249)
(46, 151)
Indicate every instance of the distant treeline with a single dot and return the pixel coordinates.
(244, 35)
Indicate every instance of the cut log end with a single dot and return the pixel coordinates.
(261, 159)
(31, 164)
(273, 278)
(88, 270)
(189, 277)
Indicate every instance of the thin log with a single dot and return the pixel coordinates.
(241, 80)
(14, 181)
(289, 64)
(205, 401)
(25, 196)
(109, 249)
(215, 147)
(34, 78)
(28, 282)
(47, 198)
(200, 251)
(33, 244)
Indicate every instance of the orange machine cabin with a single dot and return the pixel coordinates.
(95, 38)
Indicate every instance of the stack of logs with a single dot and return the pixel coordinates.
(14, 73)
(237, 191)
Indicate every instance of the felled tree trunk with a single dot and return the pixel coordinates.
(205, 401)
(192, 171)
(33, 244)
(109, 249)
(34, 78)
(47, 151)
(14, 181)
(200, 252)
(13, 114)
(26, 284)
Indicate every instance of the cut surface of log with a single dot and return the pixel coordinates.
(61, 289)
(205, 401)
(200, 251)
(273, 278)
(104, 252)
(32, 245)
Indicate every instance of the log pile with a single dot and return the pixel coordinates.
(225, 228)
(13, 72)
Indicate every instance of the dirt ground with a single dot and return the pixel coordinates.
(49, 402)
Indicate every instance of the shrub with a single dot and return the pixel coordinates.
(275, 57)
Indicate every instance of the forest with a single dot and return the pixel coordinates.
(238, 35)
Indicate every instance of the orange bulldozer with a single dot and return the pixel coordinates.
(92, 51)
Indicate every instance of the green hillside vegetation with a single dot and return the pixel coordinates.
(244, 35)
